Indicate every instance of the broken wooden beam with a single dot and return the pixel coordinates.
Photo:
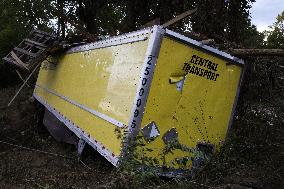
(25, 52)
(18, 60)
(179, 17)
(36, 43)
(21, 78)
(257, 52)
(156, 21)
(208, 42)
(22, 86)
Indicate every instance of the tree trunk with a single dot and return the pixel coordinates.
(257, 52)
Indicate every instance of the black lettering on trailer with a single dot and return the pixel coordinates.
(139, 102)
(144, 81)
(133, 124)
(147, 71)
(136, 113)
(150, 58)
(201, 67)
(141, 92)
(193, 58)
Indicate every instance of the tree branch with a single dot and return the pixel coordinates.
(257, 52)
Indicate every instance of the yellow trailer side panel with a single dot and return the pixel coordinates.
(102, 79)
(201, 111)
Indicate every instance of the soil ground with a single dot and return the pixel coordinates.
(54, 164)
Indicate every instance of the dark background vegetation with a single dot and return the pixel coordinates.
(253, 154)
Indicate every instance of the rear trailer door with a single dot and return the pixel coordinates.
(191, 100)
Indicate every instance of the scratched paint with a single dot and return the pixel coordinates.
(102, 79)
(201, 111)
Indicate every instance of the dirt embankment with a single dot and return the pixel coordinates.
(53, 164)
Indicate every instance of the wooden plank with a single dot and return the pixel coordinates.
(18, 60)
(11, 61)
(34, 46)
(23, 85)
(207, 42)
(179, 17)
(44, 33)
(25, 52)
(35, 43)
(8, 60)
(20, 76)
(156, 21)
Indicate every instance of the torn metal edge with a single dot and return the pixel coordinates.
(110, 156)
(147, 131)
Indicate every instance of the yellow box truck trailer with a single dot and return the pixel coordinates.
(153, 85)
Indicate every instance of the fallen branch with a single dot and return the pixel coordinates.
(23, 85)
(20, 76)
(257, 52)
(208, 42)
(195, 36)
(179, 17)
(156, 21)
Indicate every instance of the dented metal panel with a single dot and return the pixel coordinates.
(192, 91)
(101, 81)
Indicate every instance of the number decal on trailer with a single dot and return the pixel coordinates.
(142, 90)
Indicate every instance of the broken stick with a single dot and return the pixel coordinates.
(257, 52)
(20, 76)
(23, 85)
(207, 42)
(179, 17)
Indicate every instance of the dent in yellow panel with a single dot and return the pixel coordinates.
(104, 80)
(201, 111)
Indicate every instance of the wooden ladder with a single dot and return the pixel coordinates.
(32, 50)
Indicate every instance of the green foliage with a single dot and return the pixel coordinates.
(18, 17)
(275, 37)
(253, 38)
(218, 19)
(238, 19)
(207, 20)
(223, 20)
